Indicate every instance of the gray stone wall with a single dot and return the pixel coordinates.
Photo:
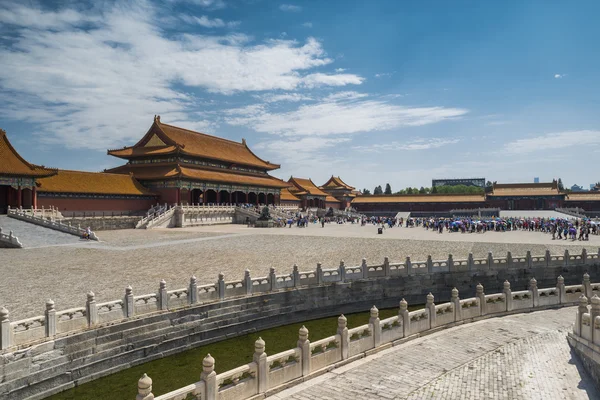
(65, 361)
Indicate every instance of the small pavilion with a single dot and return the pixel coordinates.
(309, 194)
(341, 191)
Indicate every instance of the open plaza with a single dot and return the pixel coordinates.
(65, 272)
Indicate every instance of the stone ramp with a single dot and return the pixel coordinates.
(31, 235)
(533, 214)
(403, 214)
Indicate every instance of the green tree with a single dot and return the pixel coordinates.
(561, 187)
(378, 190)
(366, 191)
(388, 189)
(422, 190)
(488, 184)
(434, 190)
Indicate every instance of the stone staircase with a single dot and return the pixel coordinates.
(31, 235)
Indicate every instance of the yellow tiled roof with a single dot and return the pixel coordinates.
(583, 196)
(286, 195)
(335, 182)
(92, 183)
(11, 163)
(306, 185)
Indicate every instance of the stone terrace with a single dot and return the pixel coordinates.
(143, 257)
(523, 356)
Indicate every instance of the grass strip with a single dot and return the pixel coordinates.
(182, 369)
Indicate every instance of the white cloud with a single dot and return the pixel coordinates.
(208, 4)
(290, 8)
(340, 96)
(384, 74)
(307, 25)
(291, 97)
(338, 70)
(95, 79)
(209, 23)
(559, 76)
(411, 145)
(320, 79)
(554, 141)
(336, 116)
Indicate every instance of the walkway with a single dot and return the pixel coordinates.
(524, 356)
(33, 236)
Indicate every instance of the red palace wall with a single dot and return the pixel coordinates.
(415, 206)
(83, 204)
(335, 206)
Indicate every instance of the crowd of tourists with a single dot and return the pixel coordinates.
(559, 228)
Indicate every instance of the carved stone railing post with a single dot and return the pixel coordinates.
(490, 258)
(404, 317)
(386, 266)
(409, 270)
(528, 258)
(193, 290)
(507, 296)
(566, 258)
(582, 309)
(455, 300)
(272, 279)
(481, 296)
(91, 309)
(450, 263)
(594, 312)
(342, 330)
(470, 263)
(587, 285)
(548, 258)
(342, 271)
(509, 259)
(534, 292)
(364, 269)
(296, 274)
(5, 331)
(560, 287)
(163, 298)
(144, 388)
(209, 376)
(430, 306)
(584, 256)
(50, 319)
(375, 326)
(319, 274)
(221, 286)
(262, 369)
(304, 345)
(128, 308)
(248, 281)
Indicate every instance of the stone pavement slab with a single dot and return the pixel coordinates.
(523, 356)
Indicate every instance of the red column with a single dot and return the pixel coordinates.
(19, 197)
(247, 198)
(204, 197)
(34, 197)
(218, 197)
(178, 196)
(257, 198)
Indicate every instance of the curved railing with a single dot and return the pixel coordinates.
(21, 333)
(269, 374)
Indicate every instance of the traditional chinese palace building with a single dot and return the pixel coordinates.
(183, 166)
(175, 165)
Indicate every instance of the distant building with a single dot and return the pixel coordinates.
(536, 180)
(577, 188)
(479, 182)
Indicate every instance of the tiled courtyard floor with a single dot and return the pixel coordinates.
(523, 356)
(141, 258)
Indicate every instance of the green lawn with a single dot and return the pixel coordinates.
(182, 369)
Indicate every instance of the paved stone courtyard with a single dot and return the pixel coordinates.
(141, 258)
(523, 356)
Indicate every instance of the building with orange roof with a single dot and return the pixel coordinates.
(185, 166)
(18, 178)
(340, 191)
(417, 202)
(309, 194)
(288, 199)
(93, 191)
(525, 196)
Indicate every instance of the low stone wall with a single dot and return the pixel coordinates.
(47, 354)
(103, 223)
(585, 338)
(9, 241)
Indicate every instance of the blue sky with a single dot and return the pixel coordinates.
(376, 92)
